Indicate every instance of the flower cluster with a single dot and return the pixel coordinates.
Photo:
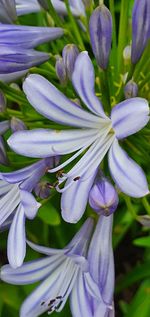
(80, 105)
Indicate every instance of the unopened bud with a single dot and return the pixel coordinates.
(131, 90)
(42, 190)
(7, 11)
(61, 71)
(3, 155)
(2, 102)
(70, 54)
(44, 4)
(100, 27)
(127, 54)
(140, 28)
(17, 124)
(103, 197)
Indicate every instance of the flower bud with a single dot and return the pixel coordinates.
(17, 124)
(100, 27)
(7, 11)
(42, 190)
(127, 54)
(2, 102)
(140, 28)
(131, 90)
(61, 71)
(3, 155)
(44, 4)
(103, 197)
(69, 54)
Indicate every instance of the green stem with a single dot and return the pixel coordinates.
(130, 206)
(146, 204)
(123, 25)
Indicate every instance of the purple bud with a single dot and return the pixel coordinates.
(2, 102)
(70, 54)
(42, 190)
(140, 28)
(131, 90)
(100, 27)
(61, 71)
(103, 197)
(3, 156)
(17, 124)
(127, 54)
(44, 4)
(7, 11)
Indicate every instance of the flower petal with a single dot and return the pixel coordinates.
(30, 272)
(83, 79)
(11, 77)
(45, 250)
(29, 204)
(130, 116)
(51, 103)
(9, 203)
(100, 257)
(16, 244)
(44, 143)
(4, 126)
(74, 199)
(127, 174)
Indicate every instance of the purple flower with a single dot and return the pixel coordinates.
(131, 90)
(24, 7)
(61, 70)
(103, 197)
(20, 36)
(7, 11)
(61, 271)
(17, 125)
(140, 28)
(96, 134)
(16, 201)
(100, 27)
(101, 267)
(70, 54)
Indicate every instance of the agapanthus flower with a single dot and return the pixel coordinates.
(7, 11)
(101, 267)
(24, 7)
(17, 202)
(61, 271)
(20, 36)
(97, 134)
(4, 126)
(140, 28)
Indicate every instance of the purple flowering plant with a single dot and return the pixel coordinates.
(74, 158)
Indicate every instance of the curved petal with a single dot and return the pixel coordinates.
(16, 244)
(25, 7)
(43, 143)
(51, 103)
(74, 199)
(17, 59)
(29, 204)
(9, 203)
(83, 79)
(27, 36)
(11, 77)
(4, 126)
(127, 174)
(45, 250)
(130, 116)
(30, 272)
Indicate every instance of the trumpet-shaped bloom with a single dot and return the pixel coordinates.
(25, 7)
(94, 134)
(17, 202)
(101, 267)
(60, 271)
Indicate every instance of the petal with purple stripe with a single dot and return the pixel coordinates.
(54, 105)
(130, 116)
(43, 143)
(127, 174)
(83, 80)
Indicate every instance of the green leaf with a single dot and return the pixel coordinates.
(49, 214)
(140, 305)
(142, 242)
